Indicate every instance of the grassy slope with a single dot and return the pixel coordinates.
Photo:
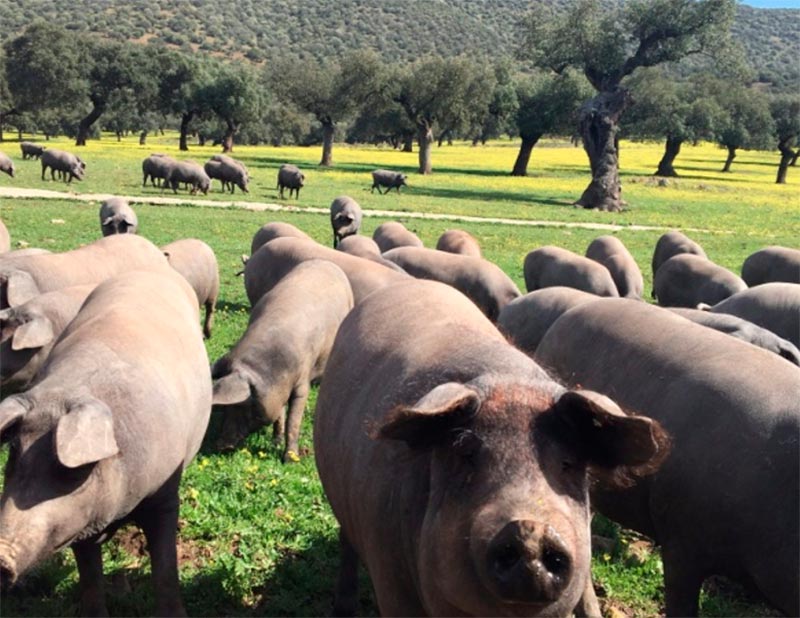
(257, 537)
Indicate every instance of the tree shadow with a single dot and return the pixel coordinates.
(224, 305)
(491, 196)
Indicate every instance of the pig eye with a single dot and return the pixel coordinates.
(466, 443)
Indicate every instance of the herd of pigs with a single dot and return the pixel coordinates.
(462, 429)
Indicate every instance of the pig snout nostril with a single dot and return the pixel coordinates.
(505, 558)
(7, 578)
(555, 561)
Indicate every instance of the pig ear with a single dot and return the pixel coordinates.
(107, 220)
(19, 287)
(11, 410)
(85, 434)
(616, 445)
(426, 422)
(230, 389)
(34, 334)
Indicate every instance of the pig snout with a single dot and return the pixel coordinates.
(528, 562)
(8, 561)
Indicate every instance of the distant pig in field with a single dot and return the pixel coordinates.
(117, 217)
(190, 173)
(28, 332)
(229, 172)
(286, 346)
(671, 244)
(196, 261)
(31, 150)
(687, 280)
(345, 218)
(393, 234)
(456, 467)
(772, 264)
(614, 255)
(390, 180)
(290, 177)
(459, 241)
(550, 266)
(65, 163)
(104, 433)
(6, 164)
(156, 167)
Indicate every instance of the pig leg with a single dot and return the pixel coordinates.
(160, 525)
(346, 596)
(683, 578)
(294, 418)
(587, 605)
(279, 429)
(90, 571)
(209, 322)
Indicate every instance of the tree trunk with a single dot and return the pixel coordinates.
(201, 139)
(328, 130)
(425, 140)
(794, 158)
(598, 127)
(408, 142)
(86, 124)
(186, 118)
(671, 150)
(787, 154)
(525, 150)
(143, 138)
(729, 160)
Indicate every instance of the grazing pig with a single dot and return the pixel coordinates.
(345, 218)
(671, 244)
(525, 320)
(275, 259)
(276, 229)
(196, 262)
(190, 173)
(553, 266)
(456, 467)
(774, 306)
(65, 163)
(6, 164)
(459, 241)
(743, 330)
(687, 280)
(366, 248)
(614, 255)
(229, 172)
(393, 234)
(28, 332)
(156, 166)
(104, 433)
(387, 178)
(24, 277)
(772, 264)
(5, 238)
(31, 150)
(725, 501)
(286, 346)
(290, 177)
(117, 217)
(483, 282)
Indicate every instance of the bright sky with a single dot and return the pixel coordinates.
(773, 4)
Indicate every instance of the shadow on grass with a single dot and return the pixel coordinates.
(224, 305)
(490, 196)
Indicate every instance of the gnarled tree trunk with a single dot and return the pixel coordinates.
(598, 127)
(787, 154)
(729, 160)
(425, 140)
(186, 118)
(671, 150)
(408, 142)
(328, 130)
(794, 158)
(85, 125)
(524, 156)
(143, 137)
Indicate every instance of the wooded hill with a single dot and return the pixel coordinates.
(397, 29)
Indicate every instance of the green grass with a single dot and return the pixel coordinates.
(257, 537)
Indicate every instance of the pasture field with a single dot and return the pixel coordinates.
(257, 537)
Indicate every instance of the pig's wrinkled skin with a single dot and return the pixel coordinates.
(364, 247)
(671, 244)
(393, 234)
(23, 278)
(772, 264)
(273, 230)
(28, 332)
(275, 259)
(614, 255)
(103, 435)
(286, 345)
(196, 262)
(774, 306)
(456, 467)
(688, 280)
(525, 320)
(550, 266)
(480, 280)
(725, 501)
(459, 241)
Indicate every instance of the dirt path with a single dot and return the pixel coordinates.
(15, 192)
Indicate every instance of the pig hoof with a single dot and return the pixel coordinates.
(291, 457)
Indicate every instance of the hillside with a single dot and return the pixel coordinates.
(398, 29)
